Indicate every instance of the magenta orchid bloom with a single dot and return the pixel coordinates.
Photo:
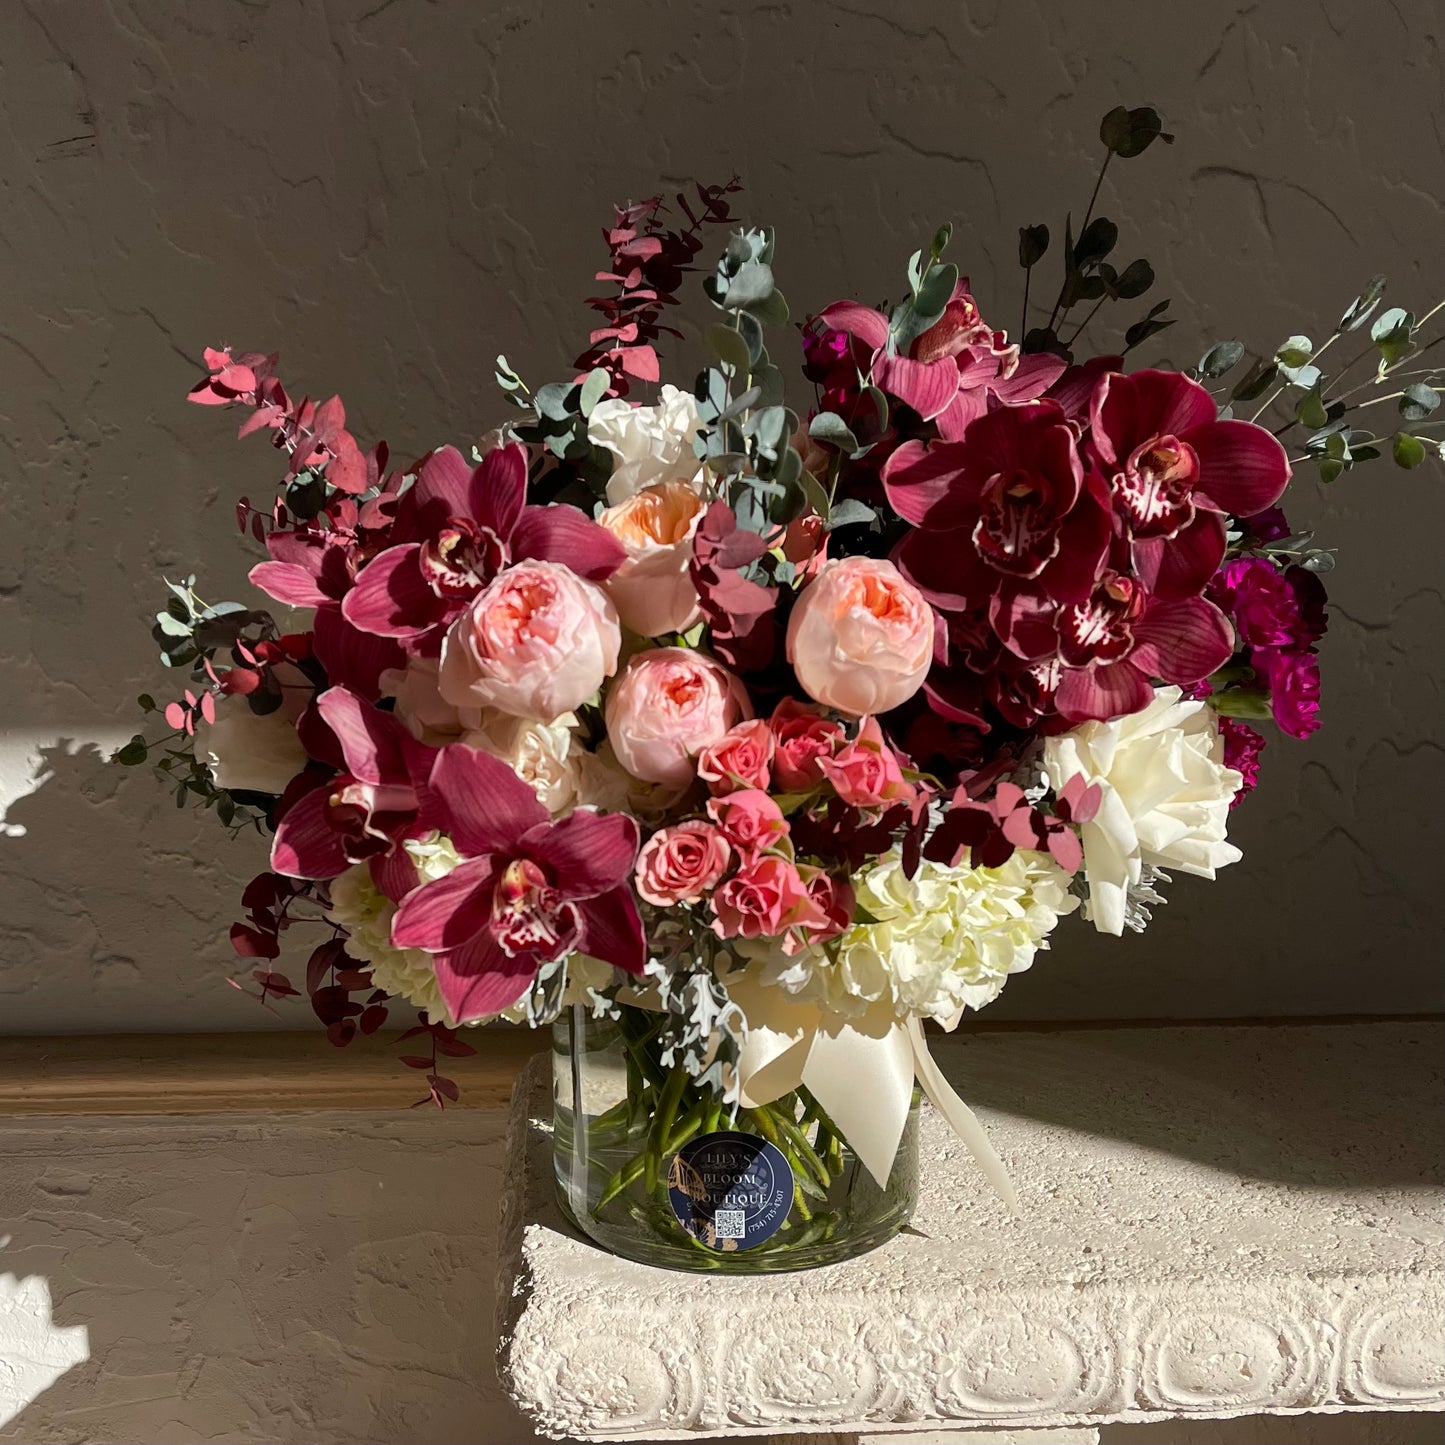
(366, 810)
(454, 530)
(1175, 471)
(954, 369)
(528, 892)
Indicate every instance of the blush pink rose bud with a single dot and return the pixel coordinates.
(802, 737)
(764, 899)
(835, 899)
(666, 707)
(739, 760)
(750, 820)
(652, 590)
(682, 864)
(537, 642)
(866, 772)
(860, 637)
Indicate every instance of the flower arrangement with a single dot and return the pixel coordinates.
(769, 733)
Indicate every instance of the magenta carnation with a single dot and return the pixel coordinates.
(1242, 747)
(1294, 689)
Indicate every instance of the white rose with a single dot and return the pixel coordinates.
(1166, 796)
(544, 755)
(428, 716)
(252, 752)
(652, 444)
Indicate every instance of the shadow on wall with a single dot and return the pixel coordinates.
(118, 904)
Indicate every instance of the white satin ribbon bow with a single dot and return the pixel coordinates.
(860, 1070)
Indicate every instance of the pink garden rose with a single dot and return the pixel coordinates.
(537, 642)
(750, 820)
(866, 772)
(652, 590)
(860, 637)
(681, 864)
(739, 760)
(802, 738)
(667, 706)
(835, 899)
(764, 899)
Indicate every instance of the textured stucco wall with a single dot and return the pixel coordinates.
(393, 192)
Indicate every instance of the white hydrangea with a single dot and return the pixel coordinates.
(944, 940)
(651, 444)
(366, 913)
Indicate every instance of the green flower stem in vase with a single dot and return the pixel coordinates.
(664, 1171)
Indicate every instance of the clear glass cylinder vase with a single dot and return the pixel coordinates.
(658, 1170)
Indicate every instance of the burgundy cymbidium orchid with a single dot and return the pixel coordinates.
(529, 890)
(454, 530)
(364, 811)
(1089, 577)
(955, 370)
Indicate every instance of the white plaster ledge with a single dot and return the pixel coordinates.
(1217, 1221)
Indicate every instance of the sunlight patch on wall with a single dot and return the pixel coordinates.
(23, 769)
(34, 1353)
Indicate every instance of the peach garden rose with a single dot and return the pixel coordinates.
(536, 643)
(652, 590)
(668, 705)
(861, 636)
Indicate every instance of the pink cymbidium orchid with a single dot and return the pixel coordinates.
(367, 809)
(454, 530)
(528, 891)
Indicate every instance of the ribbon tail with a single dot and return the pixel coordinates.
(962, 1119)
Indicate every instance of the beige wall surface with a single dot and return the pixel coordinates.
(394, 192)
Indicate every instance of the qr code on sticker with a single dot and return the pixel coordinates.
(731, 1224)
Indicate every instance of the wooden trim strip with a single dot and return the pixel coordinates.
(154, 1074)
(243, 1073)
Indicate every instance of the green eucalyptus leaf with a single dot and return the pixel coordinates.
(830, 429)
(173, 626)
(769, 381)
(1358, 311)
(849, 513)
(593, 389)
(941, 237)
(1418, 401)
(771, 310)
(751, 331)
(1129, 132)
(938, 286)
(740, 404)
(1295, 351)
(1310, 409)
(1219, 359)
(1152, 324)
(1408, 451)
(551, 401)
(915, 271)
(1033, 243)
(729, 348)
(1391, 334)
(814, 491)
(752, 284)
(1331, 468)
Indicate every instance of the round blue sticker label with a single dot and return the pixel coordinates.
(731, 1191)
